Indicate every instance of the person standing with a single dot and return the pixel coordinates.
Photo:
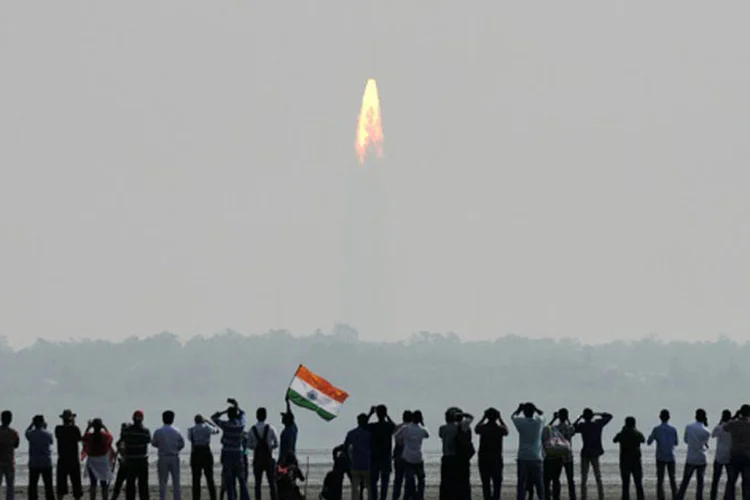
(630, 440)
(136, 438)
(696, 438)
(739, 429)
(491, 431)
(40, 458)
(288, 436)
(398, 459)
(262, 439)
(412, 435)
(168, 440)
(358, 446)
(666, 440)
(723, 456)
(553, 466)
(9, 442)
(381, 451)
(231, 449)
(97, 448)
(530, 454)
(201, 458)
(122, 471)
(68, 436)
(590, 425)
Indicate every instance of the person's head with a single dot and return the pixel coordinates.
(630, 422)
(38, 421)
(381, 411)
(726, 416)
(261, 414)
(528, 410)
(406, 417)
(287, 419)
(700, 416)
(97, 425)
(362, 420)
(492, 414)
(745, 411)
(450, 414)
(199, 419)
(417, 417)
(167, 417)
(664, 415)
(138, 417)
(588, 414)
(6, 418)
(563, 415)
(68, 417)
(233, 413)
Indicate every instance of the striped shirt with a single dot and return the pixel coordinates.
(136, 438)
(231, 439)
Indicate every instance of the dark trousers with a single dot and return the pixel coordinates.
(269, 470)
(491, 474)
(380, 473)
(740, 469)
(69, 469)
(398, 478)
(700, 471)
(634, 469)
(449, 478)
(463, 479)
(718, 468)
(46, 474)
(414, 476)
(553, 468)
(661, 467)
(137, 471)
(122, 475)
(202, 463)
(232, 472)
(533, 471)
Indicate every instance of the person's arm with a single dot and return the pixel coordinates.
(685, 436)
(216, 419)
(180, 441)
(641, 437)
(675, 438)
(273, 437)
(480, 424)
(651, 437)
(155, 439)
(517, 412)
(288, 405)
(425, 432)
(372, 412)
(243, 416)
(617, 437)
(15, 440)
(606, 418)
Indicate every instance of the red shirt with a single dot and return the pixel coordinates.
(97, 449)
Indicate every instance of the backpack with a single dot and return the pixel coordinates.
(262, 457)
(464, 445)
(555, 444)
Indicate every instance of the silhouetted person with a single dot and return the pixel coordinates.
(40, 458)
(358, 445)
(122, 470)
(169, 441)
(590, 428)
(9, 442)
(333, 483)
(630, 440)
(739, 429)
(465, 451)
(454, 466)
(723, 456)
(382, 449)
(201, 457)
(553, 466)
(288, 473)
(97, 447)
(262, 440)
(491, 431)
(398, 460)
(68, 436)
(136, 438)
(412, 435)
(666, 440)
(530, 454)
(231, 449)
(288, 436)
(696, 438)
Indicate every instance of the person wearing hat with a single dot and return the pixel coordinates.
(136, 438)
(40, 458)
(68, 436)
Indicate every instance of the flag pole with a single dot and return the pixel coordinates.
(292, 380)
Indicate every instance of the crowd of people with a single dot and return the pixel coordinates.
(372, 452)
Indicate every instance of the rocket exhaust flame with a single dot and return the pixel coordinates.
(369, 124)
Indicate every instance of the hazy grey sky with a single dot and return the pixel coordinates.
(559, 169)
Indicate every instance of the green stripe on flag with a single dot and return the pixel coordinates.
(303, 402)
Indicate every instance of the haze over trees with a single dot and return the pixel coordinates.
(430, 371)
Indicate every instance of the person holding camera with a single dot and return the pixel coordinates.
(68, 435)
(382, 449)
(412, 435)
(454, 465)
(530, 454)
(231, 449)
(739, 429)
(590, 425)
(40, 458)
(555, 462)
(491, 431)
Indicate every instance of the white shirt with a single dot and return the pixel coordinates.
(723, 445)
(412, 436)
(168, 440)
(271, 439)
(696, 438)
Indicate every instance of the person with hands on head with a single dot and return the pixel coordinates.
(68, 435)
(529, 422)
(739, 429)
(630, 440)
(553, 466)
(723, 456)
(201, 457)
(412, 435)
(40, 458)
(231, 449)
(491, 430)
(97, 449)
(590, 425)
(381, 451)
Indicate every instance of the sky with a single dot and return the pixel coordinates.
(571, 169)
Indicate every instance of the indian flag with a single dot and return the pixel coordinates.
(315, 393)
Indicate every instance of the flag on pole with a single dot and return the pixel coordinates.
(315, 393)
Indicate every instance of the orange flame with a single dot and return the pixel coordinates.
(369, 124)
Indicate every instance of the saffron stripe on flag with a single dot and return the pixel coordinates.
(321, 384)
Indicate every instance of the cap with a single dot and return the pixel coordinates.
(67, 414)
(138, 414)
